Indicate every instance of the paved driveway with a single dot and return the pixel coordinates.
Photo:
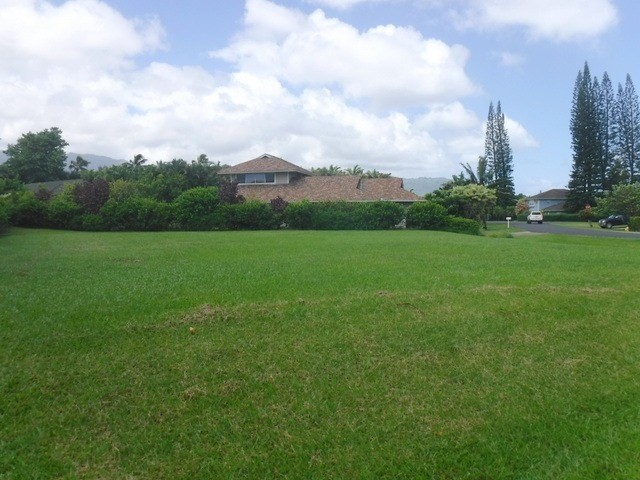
(596, 231)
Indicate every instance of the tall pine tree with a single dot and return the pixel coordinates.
(606, 111)
(628, 130)
(587, 151)
(499, 157)
(605, 137)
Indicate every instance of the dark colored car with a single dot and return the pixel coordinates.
(612, 220)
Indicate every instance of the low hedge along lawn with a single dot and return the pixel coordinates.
(202, 209)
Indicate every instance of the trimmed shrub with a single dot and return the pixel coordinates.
(426, 216)
(461, 225)
(300, 215)
(561, 217)
(28, 211)
(378, 215)
(334, 216)
(137, 214)
(91, 222)
(634, 224)
(250, 215)
(196, 208)
(63, 212)
(4, 215)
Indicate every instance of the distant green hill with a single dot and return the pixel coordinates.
(423, 185)
(95, 161)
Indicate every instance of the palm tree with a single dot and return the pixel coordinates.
(482, 175)
(376, 174)
(330, 171)
(78, 166)
(335, 170)
(355, 170)
(138, 161)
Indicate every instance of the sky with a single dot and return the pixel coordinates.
(402, 86)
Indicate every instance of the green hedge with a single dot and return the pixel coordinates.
(137, 214)
(91, 222)
(433, 216)
(427, 216)
(634, 224)
(63, 212)
(562, 217)
(250, 215)
(334, 216)
(554, 217)
(4, 215)
(305, 215)
(28, 211)
(461, 225)
(197, 209)
(300, 215)
(379, 215)
(201, 209)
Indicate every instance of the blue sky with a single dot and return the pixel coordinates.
(402, 86)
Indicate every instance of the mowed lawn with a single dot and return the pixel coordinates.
(318, 355)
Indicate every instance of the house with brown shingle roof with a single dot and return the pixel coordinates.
(267, 177)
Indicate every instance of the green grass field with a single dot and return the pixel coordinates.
(316, 355)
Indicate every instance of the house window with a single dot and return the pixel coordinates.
(257, 178)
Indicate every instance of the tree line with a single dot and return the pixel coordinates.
(605, 138)
(40, 157)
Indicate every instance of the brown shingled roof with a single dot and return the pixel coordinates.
(327, 188)
(264, 164)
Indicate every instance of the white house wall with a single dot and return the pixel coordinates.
(282, 178)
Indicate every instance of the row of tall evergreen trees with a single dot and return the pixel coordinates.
(495, 167)
(499, 157)
(605, 138)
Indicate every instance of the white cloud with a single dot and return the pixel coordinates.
(390, 66)
(566, 20)
(560, 20)
(519, 137)
(509, 59)
(341, 4)
(38, 37)
(106, 104)
(65, 65)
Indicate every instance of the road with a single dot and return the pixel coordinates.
(596, 231)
